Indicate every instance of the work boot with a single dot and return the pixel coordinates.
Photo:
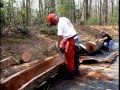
(69, 76)
(77, 73)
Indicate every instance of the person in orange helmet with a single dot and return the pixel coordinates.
(67, 38)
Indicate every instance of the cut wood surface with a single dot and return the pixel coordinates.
(26, 57)
(93, 46)
(7, 62)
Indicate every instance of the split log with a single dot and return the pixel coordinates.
(93, 46)
(107, 57)
(11, 70)
(8, 62)
(40, 71)
(111, 57)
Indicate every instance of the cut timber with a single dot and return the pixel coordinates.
(7, 62)
(26, 57)
(41, 70)
(6, 72)
(111, 57)
(106, 57)
(93, 46)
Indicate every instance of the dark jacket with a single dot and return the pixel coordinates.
(108, 38)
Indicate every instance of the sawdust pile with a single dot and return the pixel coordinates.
(98, 75)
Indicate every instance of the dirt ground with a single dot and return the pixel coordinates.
(35, 44)
(38, 44)
(99, 76)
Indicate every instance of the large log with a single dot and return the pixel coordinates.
(92, 46)
(107, 57)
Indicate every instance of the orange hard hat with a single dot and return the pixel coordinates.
(52, 19)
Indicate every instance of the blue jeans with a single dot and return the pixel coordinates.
(76, 57)
(108, 44)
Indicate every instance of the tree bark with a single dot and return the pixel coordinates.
(90, 3)
(9, 11)
(112, 7)
(87, 12)
(52, 6)
(28, 12)
(23, 15)
(106, 14)
(40, 8)
(100, 13)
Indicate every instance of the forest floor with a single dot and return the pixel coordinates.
(92, 77)
(38, 44)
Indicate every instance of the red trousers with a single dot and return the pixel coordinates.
(69, 53)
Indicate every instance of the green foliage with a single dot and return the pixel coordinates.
(52, 31)
(7, 10)
(14, 40)
(2, 17)
(24, 30)
(64, 7)
(114, 18)
(1, 5)
(93, 20)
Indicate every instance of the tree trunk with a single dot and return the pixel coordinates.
(96, 11)
(40, 16)
(9, 12)
(106, 11)
(100, 13)
(90, 3)
(13, 15)
(52, 6)
(40, 7)
(87, 12)
(112, 2)
(118, 10)
(23, 15)
(28, 12)
(72, 11)
(84, 11)
(106, 15)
